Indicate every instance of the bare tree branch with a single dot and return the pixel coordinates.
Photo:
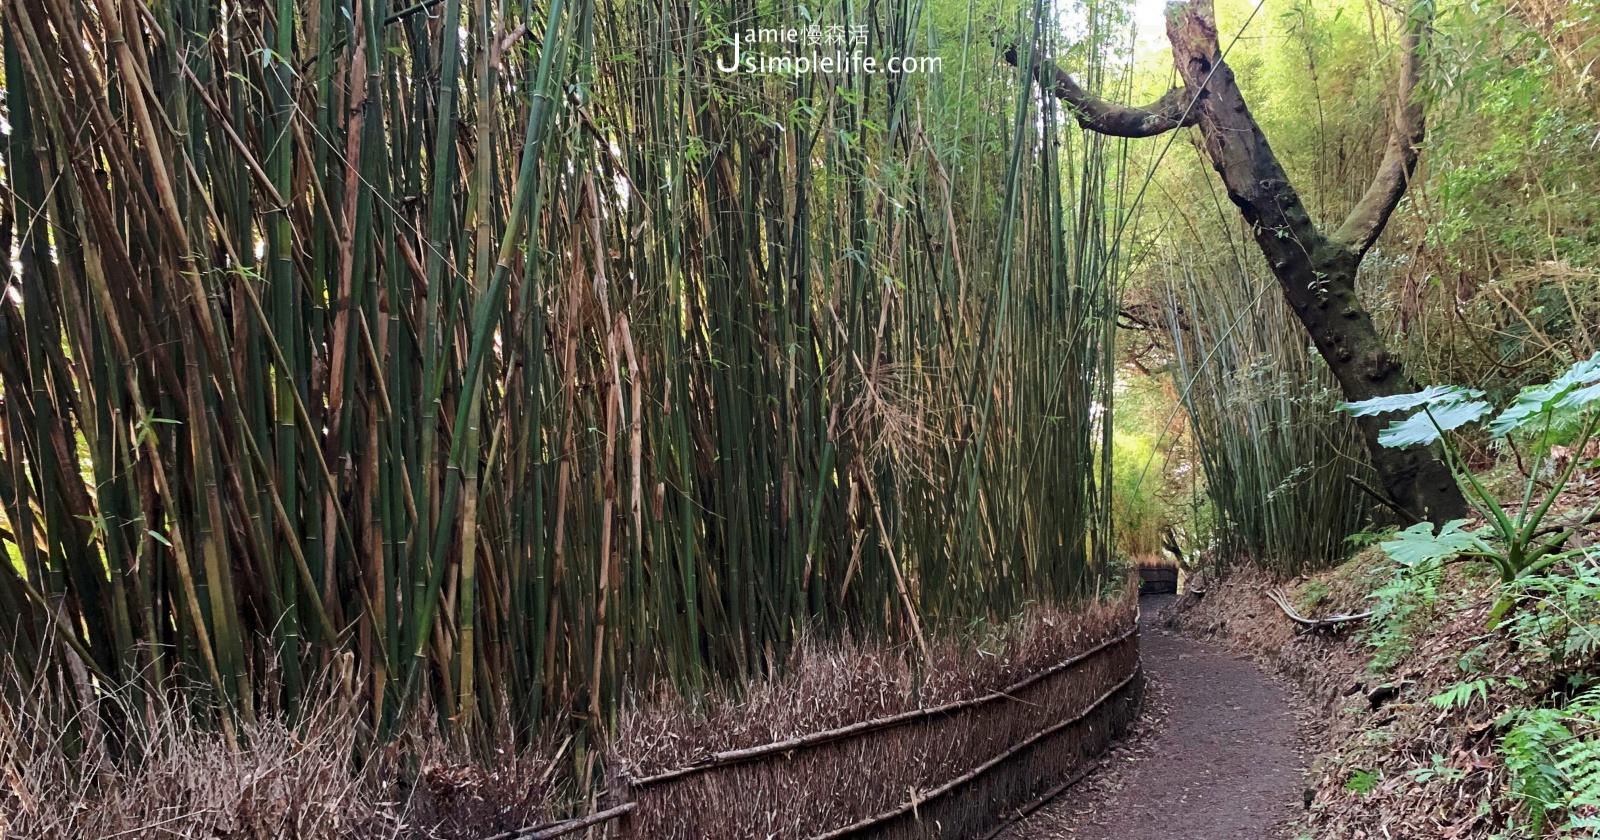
(1367, 219)
(1169, 112)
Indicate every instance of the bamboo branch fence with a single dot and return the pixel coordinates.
(947, 771)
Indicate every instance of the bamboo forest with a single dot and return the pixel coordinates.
(1026, 419)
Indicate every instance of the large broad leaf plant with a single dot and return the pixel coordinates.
(1514, 542)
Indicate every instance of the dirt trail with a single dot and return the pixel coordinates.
(1218, 757)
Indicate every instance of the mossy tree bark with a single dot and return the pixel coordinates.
(1316, 271)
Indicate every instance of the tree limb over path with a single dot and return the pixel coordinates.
(1168, 113)
(1316, 271)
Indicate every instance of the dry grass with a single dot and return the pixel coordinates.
(174, 779)
(810, 791)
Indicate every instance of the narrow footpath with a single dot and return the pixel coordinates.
(1216, 758)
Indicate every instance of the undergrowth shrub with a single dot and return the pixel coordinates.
(1549, 724)
(1553, 751)
(1553, 755)
(1560, 615)
(1402, 605)
(1546, 709)
(1548, 606)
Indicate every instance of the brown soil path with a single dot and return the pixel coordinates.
(1218, 757)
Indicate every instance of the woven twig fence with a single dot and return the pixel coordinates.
(955, 770)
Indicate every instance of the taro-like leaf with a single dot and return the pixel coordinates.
(1429, 396)
(1418, 544)
(1577, 388)
(1425, 426)
(1581, 398)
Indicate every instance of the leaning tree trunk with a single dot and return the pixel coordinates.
(1316, 271)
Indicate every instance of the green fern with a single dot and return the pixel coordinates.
(1562, 614)
(1536, 781)
(1399, 608)
(1580, 760)
(1553, 756)
(1461, 695)
(1363, 781)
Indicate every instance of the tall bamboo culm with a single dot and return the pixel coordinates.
(495, 357)
(1278, 461)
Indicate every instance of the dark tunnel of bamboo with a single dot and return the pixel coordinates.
(494, 357)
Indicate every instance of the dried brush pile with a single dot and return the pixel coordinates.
(808, 792)
(1157, 575)
(171, 774)
(171, 777)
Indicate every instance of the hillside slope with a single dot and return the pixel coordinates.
(1434, 725)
